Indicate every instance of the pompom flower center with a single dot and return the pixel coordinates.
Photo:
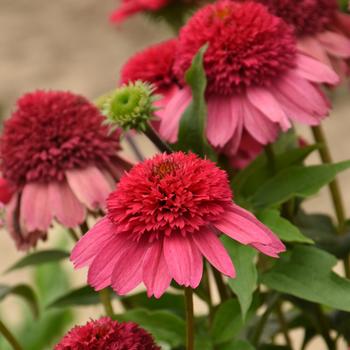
(169, 194)
(309, 17)
(247, 46)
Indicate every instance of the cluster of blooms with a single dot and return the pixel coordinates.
(106, 334)
(259, 72)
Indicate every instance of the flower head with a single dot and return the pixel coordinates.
(61, 160)
(257, 79)
(106, 334)
(164, 216)
(322, 30)
(130, 106)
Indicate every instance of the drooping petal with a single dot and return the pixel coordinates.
(244, 227)
(212, 248)
(127, 273)
(101, 268)
(92, 242)
(311, 46)
(222, 120)
(315, 71)
(36, 211)
(90, 186)
(335, 43)
(265, 102)
(184, 260)
(169, 126)
(299, 90)
(257, 125)
(156, 275)
(65, 206)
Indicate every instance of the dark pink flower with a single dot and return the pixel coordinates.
(164, 216)
(6, 191)
(61, 160)
(322, 30)
(154, 65)
(258, 82)
(106, 334)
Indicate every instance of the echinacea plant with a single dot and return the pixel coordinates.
(207, 243)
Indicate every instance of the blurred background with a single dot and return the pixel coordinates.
(70, 45)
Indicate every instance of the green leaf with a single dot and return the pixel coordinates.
(284, 229)
(251, 178)
(307, 274)
(296, 181)
(23, 291)
(246, 279)
(170, 302)
(78, 297)
(38, 258)
(227, 322)
(238, 345)
(163, 325)
(192, 126)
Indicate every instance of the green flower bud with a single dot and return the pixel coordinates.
(130, 106)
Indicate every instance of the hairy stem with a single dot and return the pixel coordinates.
(189, 319)
(9, 337)
(106, 302)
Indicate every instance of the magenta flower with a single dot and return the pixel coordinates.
(154, 65)
(257, 80)
(164, 216)
(106, 334)
(60, 159)
(322, 30)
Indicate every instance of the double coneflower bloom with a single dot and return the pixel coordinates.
(258, 80)
(164, 216)
(60, 160)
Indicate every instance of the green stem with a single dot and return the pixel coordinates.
(223, 292)
(157, 141)
(73, 235)
(189, 319)
(271, 159)
(334, 188)
(138, 154)
(324, 324)
(206, 283)
(283, 324)
(9, 337)
(106, 302)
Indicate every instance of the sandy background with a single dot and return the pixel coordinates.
(70, 45)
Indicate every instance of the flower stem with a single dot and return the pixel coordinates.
(73, 235)
(271, 159)
(9, 337)
(106, 302)
(283, 324)
(206, 283)
(134, 147)
(189, 319)
(224, 294)
(334, 188)
(157, 141)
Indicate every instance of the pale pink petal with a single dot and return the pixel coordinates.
(222, 120)
(169, 125)
(263, 100)
(304, 94)
(164, 100)
(257, 125)
(312, 47)
(212, 248)
(35, 211)
(184, 260)
(315, 71)
(335, 43)
(127, 273)
(65, 206)
(92, 242)
(156, 275)
(244, 227)
(101, 268)
(90, 186)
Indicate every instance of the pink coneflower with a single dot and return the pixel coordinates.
(154, 65)
(257, 80)
(164, 216)
(61, 160)
(322, 30)
(106, 334)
